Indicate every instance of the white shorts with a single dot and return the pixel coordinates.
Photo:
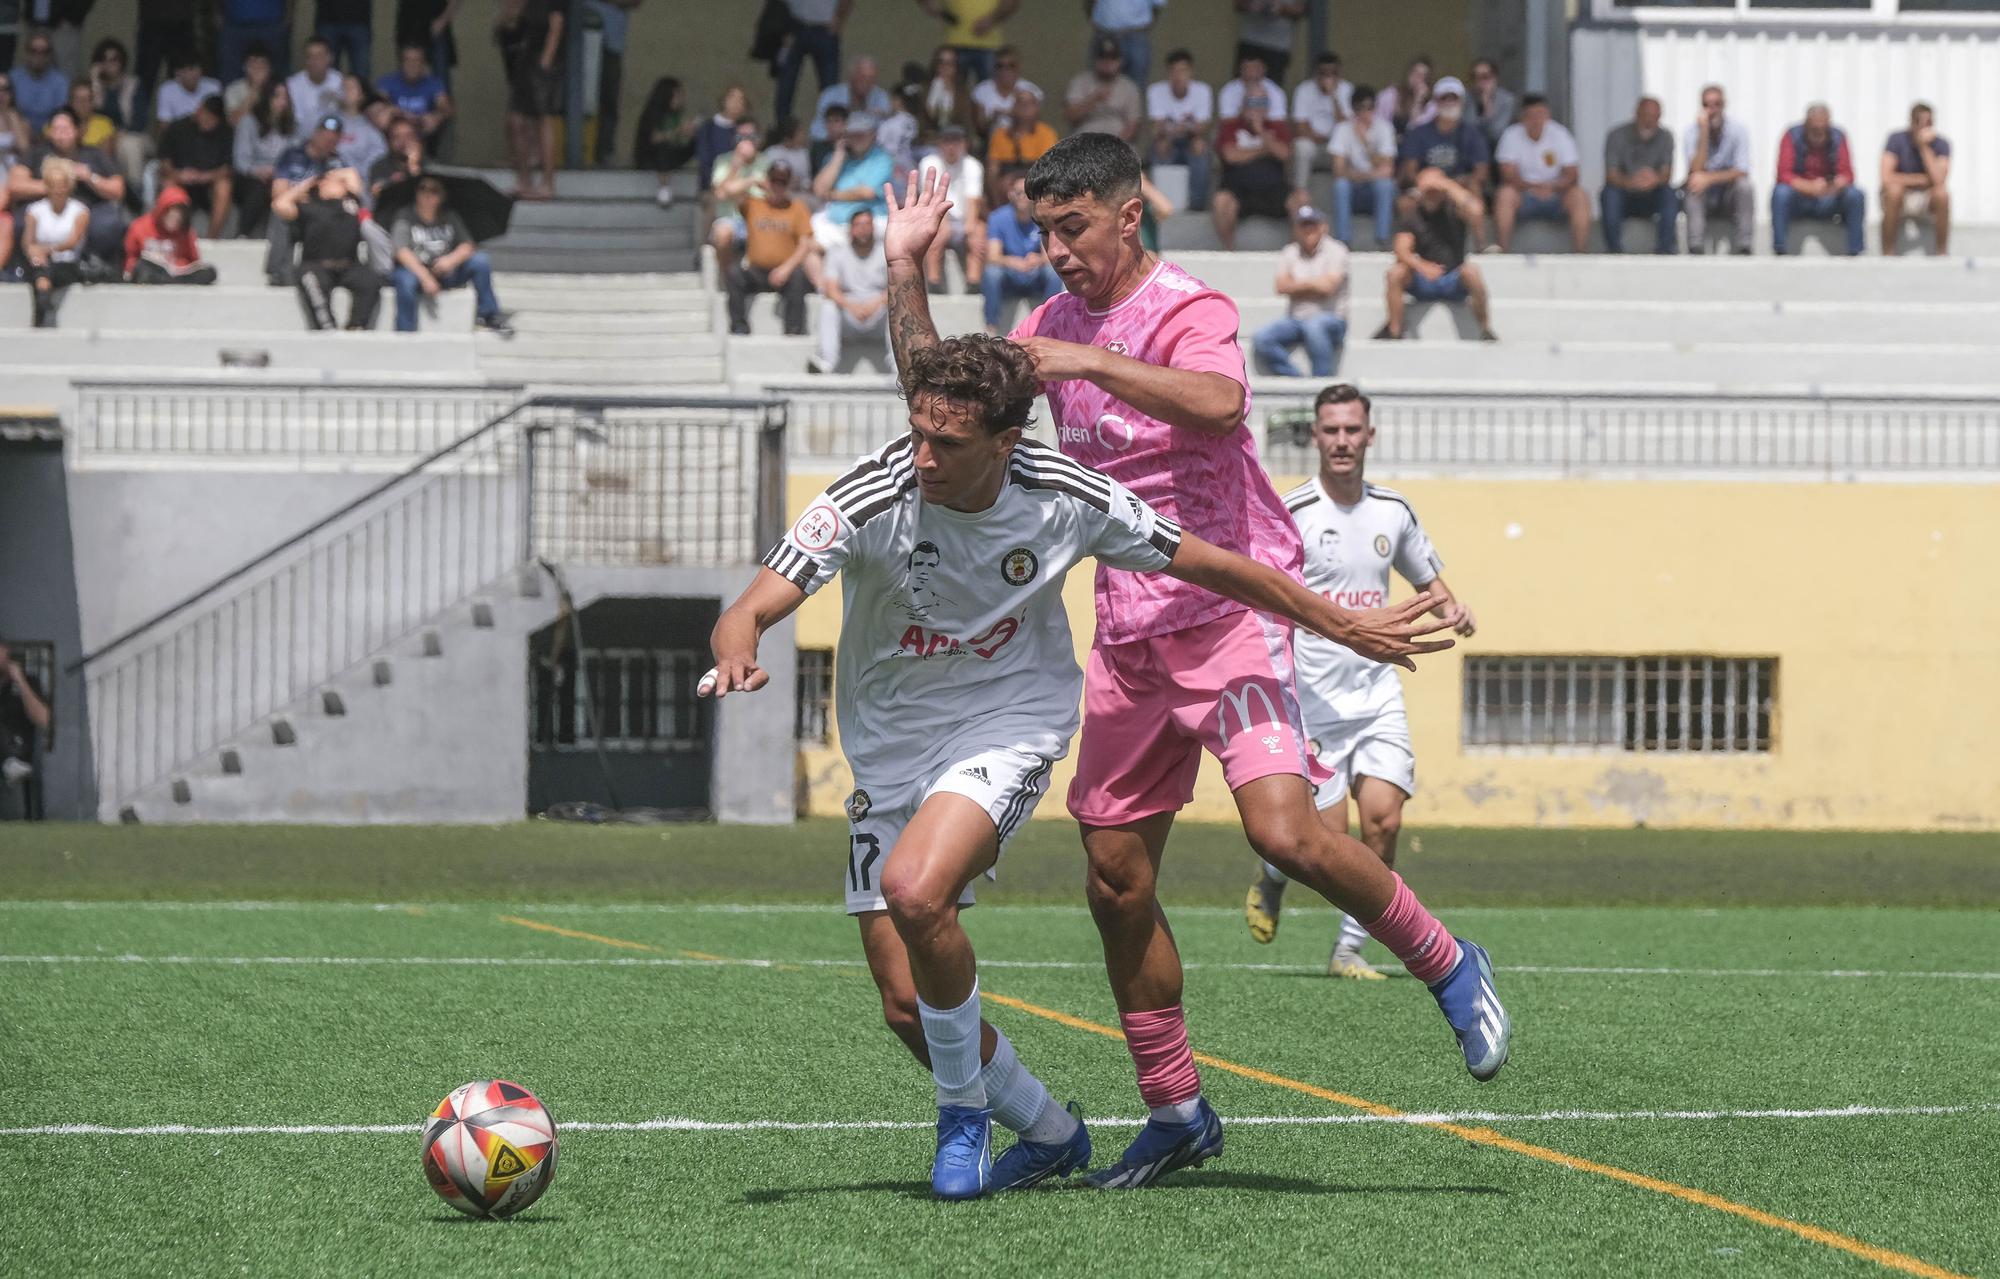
(1007, 783)
(1358, 748)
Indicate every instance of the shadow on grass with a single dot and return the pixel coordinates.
(526, 1219)
(1264, 1183)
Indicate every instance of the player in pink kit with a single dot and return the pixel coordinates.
(1142, 370)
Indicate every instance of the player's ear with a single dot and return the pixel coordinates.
(1005, 442)
(1130, 214)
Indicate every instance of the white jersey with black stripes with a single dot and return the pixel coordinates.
(953, 634)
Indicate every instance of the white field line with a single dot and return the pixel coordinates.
(536, 961)
(831, 909)
(851, 1125)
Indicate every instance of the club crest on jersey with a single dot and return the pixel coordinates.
(1382, 545)
(858, 805)
(817, 528)
(1117, 347)
(1019, 566)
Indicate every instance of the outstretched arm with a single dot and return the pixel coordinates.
(914, 221)
(1380, 634)
(770, 599)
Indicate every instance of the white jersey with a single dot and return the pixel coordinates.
(953, 632)
(1349, 552)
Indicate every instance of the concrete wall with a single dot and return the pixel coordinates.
(38, 601)
(1872, 597)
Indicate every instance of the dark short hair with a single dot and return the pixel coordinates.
(66, 112)
(1921, 108)
(258, 49)
(322, 42)
(213, 105)
(992, 376)
(111, 44)
(1534, 100)
(1180, 55)
(1086, 164)
(1486, 62)
(1363, 96)
(926, 548)
(408, 45)
(1343, 393)
(835, 109)
(185, 58)
(1325, 57)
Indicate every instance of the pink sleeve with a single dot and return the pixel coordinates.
(1201, 337)
(1031, 323)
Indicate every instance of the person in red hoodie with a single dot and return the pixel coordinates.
(160, 247)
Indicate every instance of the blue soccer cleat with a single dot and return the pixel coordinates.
(1474, 1011)
(1163, 1148)
(1028, 1163)
(963, 1168)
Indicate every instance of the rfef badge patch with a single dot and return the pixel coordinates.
(1019, 566)
(817, 528)
(1382, 545)
(858, 805)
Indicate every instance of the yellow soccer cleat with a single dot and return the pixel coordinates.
(1262, 906)
(1348, 964)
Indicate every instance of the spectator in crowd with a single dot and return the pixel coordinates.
(347, 26)
(1102, 99)
(97, 184)
(318, 154)
(24, 722)
(243, 90)
(1639, 179)
(196, 154)
(182, 95)
(1493, 106)
(327, 212)
(1181, 110)
(1129, 24)
(947, 95)
(850, 182)
(1364, 169)
(403, 162)
(262, 139)
(117, 91)
(815, 34)
(664, 140)
(53, 232)
(1539, 163)
(965, 224)
(1319, 106)
(854, 289)
(1718, 181)
(1312, 278)
(1454, 146)
(787, 141)
(819, 152)
(40, 87)
(614, 21)
(1816, 180)
(428, 22)
(1916, 170)
(1431, 265)
(972, 34)
(716, 136)
(253, 28)
(1251, 77)
(419, 93)
(531, 34)
(1269, 29)
(434, 252)
(98, 130)
(1016, 266)
(160, 247)
(859, 92)
(1408, 102)
(361, 142)
(64, 19)
(777, 241)
(993, 98)
(16, 134)
(898, 134)
(737, 177)
(317, 86)
(1256, 152)
(164, 25)
(1021, 141)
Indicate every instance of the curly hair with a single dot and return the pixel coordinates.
(992, 376)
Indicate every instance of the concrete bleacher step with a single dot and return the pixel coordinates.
(248, 312)
(601, 215)
(639, 241)
(520, 365)
(534, 324)
(601, 346)
(116, 351)
(588, 262)
(584, 184)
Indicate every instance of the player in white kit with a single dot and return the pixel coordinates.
(957, 690)
(1354, 533)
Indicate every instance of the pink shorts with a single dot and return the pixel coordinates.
(1152, 706)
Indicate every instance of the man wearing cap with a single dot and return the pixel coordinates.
(1312, 278)
(1128, 24)
(851, 180)
(1454, 146)
(318, 153)
(965, 226)
(1256, 150)
(1102, 99)
(434, 251)
(777, 237)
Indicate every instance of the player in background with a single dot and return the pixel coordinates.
(957, 690)
(1146, 382)
(1354, 532)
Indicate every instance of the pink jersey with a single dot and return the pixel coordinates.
(1213, 486)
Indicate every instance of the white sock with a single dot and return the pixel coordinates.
(1181, 1112)
(953, 1037)
(1020, 1101)
(1275, 875)
(1352, 935)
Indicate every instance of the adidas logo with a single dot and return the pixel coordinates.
(977, 774)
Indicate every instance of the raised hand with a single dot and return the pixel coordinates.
(916, 219)
(1392, 634)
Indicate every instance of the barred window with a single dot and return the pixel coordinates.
(641, 699)
(1649, 703)
(814, 719)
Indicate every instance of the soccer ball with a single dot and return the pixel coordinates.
(490, 1148)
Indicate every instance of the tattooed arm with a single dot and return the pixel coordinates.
(914, 222)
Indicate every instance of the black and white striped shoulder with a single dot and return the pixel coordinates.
(1303, 496)
(1038, 466)
(876, 482)
(1391, 495)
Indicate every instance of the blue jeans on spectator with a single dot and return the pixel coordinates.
(1181, 151)
(350, 38)
(1849, 206)
(821, 45)
(1662, 204)
(1377, 196)
(1323, 335)
(1000, 283)
(974, 65)
(1449, 287)
(476, 270)
(1135, 47)
(235, 41)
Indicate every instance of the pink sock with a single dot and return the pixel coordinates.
(1159, 1045)
(1414, 935)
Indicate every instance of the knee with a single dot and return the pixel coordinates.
(1384, 825)
(917, 904)
(1289, 843)
(1398, 278)
(1117, 894)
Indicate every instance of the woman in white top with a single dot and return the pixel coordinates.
(52, 240)
(1408, 104)
(14, 141)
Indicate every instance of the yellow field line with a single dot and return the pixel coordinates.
(1488, 1137)
(602, 940)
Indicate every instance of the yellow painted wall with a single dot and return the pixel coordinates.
(1880, 602)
